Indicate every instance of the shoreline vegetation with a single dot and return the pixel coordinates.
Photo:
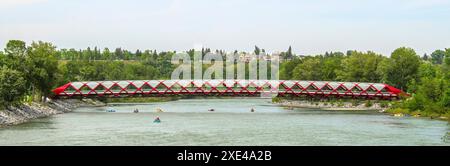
(382, 106)
(333, 105)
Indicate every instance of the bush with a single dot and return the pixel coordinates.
(276, 100)
(384, 104)
(398, 111)
(340, 103)
(355, 103)
(368, 103)
(416, 113)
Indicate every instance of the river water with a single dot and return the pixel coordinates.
(188, 122)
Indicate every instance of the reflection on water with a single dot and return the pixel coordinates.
(188, 122)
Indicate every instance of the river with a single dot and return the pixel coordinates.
(187, 122)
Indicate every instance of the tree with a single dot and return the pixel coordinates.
(118, 54)
(12, 87)
(401, 68)
(437, 57)
(287, 68)
(308, 70)
(360, 67)
(446, 66)
(42, 67)
(257, 50)
(15, 54)
(106, 54)
(289, 54)
(331, 66)
(2, 58)
(425, 57)
(15, 48)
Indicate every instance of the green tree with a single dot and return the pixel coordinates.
(16, 52)
(331, 66)
(289, 54)
(2, 59)
(106, 55)
(12, 87)
(401, 68)
(437, 57)
(287, 68)
(257, 50)
(42, 67)
(308, 70)
(360, 67)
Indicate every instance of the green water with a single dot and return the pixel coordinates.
(187, 122)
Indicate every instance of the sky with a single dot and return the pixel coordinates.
(310, 27)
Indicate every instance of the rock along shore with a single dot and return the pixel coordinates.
(347, 106)
(26, 112)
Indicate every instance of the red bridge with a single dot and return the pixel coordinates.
(320, 89)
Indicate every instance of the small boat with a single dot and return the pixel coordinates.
(211, 110)
(157, 120)
(252, 110)
(110, 110)
(399, 115)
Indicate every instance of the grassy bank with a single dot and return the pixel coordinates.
(426, 114)
(390, 107)
(331, 103)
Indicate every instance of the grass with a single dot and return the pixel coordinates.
(398, 111)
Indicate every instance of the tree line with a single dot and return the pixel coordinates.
(30, 72)
(426, 78)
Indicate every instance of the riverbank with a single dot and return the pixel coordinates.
(335, 106)
(355, 105)
(28, 111)
(418, 114)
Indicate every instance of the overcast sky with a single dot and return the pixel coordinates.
(311, 27)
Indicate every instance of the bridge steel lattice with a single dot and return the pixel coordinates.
(320, 89)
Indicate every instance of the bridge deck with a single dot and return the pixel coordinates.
(226, 87)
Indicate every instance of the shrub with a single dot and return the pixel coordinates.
(368, 103)
(398, 110)
(276, 100)
(355, 103)
(384, 104)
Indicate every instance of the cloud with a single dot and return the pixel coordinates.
(15, 3)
